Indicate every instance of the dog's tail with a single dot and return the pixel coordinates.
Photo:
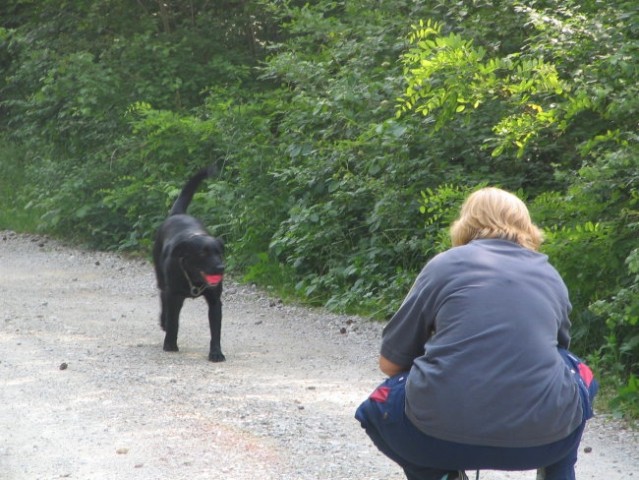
(186, 195)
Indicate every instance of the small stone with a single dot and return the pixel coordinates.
(64, 366)
(587, 449)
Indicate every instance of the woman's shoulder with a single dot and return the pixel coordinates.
(455, 253)
(479, 252)
(449, 259)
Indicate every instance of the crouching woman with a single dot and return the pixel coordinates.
(480, 376)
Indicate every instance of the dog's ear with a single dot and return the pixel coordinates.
(213, 246)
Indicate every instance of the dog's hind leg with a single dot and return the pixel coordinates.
(163, 310)
(215, 324)
(170, 319)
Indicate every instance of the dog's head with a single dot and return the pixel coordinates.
(202, 258)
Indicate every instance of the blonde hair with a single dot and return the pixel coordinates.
(495, 213)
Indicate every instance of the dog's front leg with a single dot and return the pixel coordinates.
(171, 307)
(215, 324)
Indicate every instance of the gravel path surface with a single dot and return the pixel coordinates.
(87, 392)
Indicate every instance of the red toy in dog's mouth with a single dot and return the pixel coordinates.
(213, 280)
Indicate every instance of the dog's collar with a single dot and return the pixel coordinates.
(195, 291)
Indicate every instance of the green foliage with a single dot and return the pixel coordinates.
(79, 104)
(14, 193)
(622, 318)
(447, 75)
(441, 207)
(627, 398)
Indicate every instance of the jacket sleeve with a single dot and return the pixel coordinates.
(406, 333)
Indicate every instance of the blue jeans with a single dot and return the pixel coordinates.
(427, 458)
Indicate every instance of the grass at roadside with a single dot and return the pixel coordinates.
(14, 214)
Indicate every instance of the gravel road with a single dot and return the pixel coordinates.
(87, 392)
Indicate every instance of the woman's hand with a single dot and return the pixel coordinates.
(389, 368)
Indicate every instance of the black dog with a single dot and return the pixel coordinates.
(188, 263)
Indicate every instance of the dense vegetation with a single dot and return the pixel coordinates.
(346, 135)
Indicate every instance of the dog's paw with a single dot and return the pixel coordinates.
(217, 357)
(171, 348)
